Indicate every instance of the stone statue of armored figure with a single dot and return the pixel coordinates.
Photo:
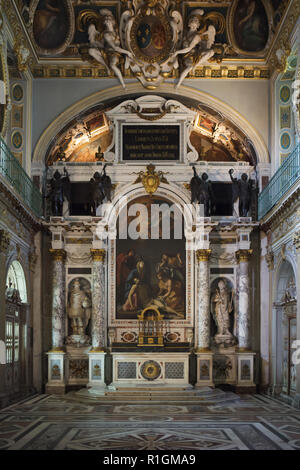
(201, 189)
(241, 190)
(100, 189)
(60, 189)
(79, 310)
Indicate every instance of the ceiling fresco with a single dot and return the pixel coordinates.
(59, 32)
(86, 137)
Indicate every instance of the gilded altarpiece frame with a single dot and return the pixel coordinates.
(135, 192)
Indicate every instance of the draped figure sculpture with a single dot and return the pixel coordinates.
(222, 309)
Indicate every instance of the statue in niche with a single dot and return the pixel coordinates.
(105, 43)
(197, 44)
(201, 189)
(222, 309)
(60, 189)
(290, 293)
(11, 293)
(241, 190)
(100, 189)
(79, 310)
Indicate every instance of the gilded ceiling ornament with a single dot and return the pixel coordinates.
(22, 54)
(151, 179)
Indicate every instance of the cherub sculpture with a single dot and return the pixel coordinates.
(197, 44)
(105, 43)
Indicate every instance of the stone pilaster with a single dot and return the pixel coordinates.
(269, 257)
(203, 313)
(98, 299)
(58, 299)
(296, 241)
(4, 245)
(243, 326)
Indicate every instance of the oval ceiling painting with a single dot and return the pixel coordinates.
(250, 25)
(52, 25)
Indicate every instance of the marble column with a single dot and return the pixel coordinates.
(243, 325)
(296, 351)
(4, 246)
(58, 299)
(269, 257)
(203, 299)
(98, 299)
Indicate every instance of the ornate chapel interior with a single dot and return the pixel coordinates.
(179, 121)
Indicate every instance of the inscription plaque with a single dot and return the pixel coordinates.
(151, 142)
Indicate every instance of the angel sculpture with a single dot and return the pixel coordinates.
(197, 45)
(105, 44)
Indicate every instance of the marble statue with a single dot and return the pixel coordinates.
(79, 309)
(197, 45)
(222, 309)
(241, 189)
(107, 40)
(11, 293)
(201, 190)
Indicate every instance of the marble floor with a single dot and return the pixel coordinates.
(193, 420)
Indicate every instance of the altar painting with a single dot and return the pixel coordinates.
(150, 272)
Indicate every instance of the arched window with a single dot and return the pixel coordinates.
(16, 280)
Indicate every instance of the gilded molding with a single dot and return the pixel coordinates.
(97, 350)
(243, 256)
(203, 255)
(98, 254)
(221, 72)
(57, 255)
(282, 42)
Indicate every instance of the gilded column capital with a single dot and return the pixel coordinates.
(203, 255)
(4, 241)
(243, 255)
(296, 241)
(58, 255)
(98, 254)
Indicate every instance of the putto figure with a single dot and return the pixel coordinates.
(106, 38)
(197, 44)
